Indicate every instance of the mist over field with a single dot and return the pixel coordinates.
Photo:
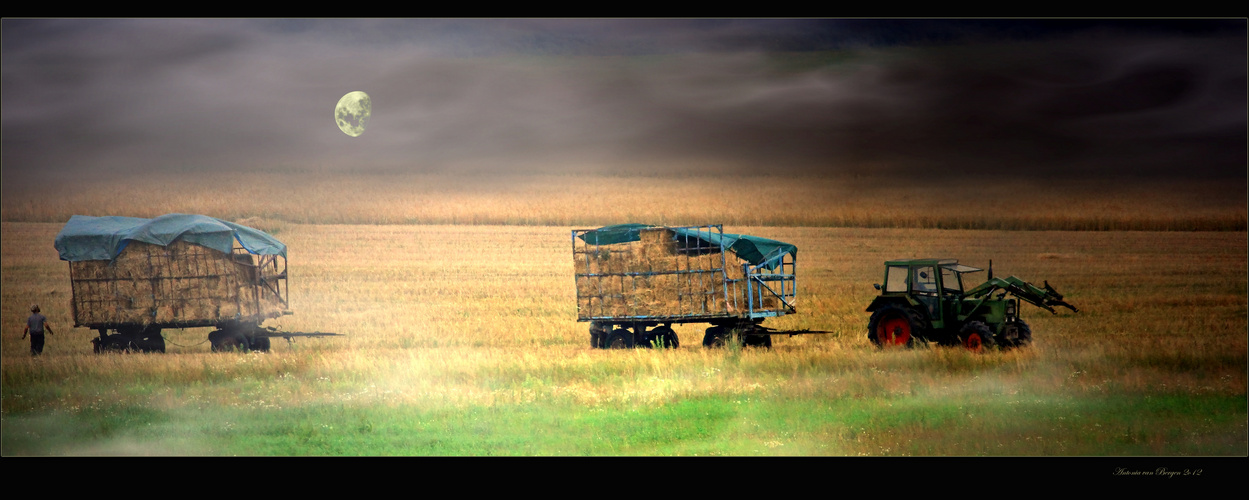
(87, 99)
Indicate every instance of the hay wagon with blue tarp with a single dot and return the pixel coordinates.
(634, 281)
(135, 277)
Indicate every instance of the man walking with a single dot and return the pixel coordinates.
(35, 325)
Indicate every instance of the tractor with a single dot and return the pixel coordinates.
(923, 301)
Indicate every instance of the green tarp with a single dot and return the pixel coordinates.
(103, 238)
(752, 249)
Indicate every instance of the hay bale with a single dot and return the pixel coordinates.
(179, 283)
(678, 278)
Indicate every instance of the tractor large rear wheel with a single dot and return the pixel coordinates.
(896, 326)
(976, 337)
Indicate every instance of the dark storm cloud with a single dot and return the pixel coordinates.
(1153, 97)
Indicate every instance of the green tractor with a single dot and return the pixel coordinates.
(923, 301)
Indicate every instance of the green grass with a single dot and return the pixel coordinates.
(748, 424)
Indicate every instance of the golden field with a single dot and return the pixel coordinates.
(450, 321)
(494, 198)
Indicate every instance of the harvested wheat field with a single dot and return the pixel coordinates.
(464, 340)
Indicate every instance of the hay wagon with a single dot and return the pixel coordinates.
(634, 281)
(135, 277)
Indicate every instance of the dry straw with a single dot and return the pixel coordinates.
(659, 275)
(176, 284)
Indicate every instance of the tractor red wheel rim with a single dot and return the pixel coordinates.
(894, 330)
(973, 342)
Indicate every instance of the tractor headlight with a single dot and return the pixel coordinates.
(1010, 307)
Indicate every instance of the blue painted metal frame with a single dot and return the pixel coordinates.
(757, 287)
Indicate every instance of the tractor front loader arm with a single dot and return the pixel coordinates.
(1046, 299)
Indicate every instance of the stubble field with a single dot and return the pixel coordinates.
(462, 340)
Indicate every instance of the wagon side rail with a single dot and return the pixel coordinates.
(774, 280)
(190, 286)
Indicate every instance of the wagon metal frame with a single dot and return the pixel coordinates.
(765, 289)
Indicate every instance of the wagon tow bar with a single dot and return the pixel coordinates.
(271, 332)
(791, 333)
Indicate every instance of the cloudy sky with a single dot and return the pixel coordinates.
(1152, 97)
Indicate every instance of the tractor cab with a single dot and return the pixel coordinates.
(935, 285)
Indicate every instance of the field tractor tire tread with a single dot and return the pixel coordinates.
(906, 325)
(976, 336)
(1017, 334)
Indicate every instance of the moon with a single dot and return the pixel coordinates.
(352, 113)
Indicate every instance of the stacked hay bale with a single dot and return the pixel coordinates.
(182, 283)
(658, 275)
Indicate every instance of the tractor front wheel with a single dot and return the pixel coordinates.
(895, 326)
(976, 337)
(1016, 334)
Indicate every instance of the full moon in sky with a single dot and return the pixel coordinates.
(352, 113)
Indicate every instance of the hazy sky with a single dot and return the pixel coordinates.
(1154, 97)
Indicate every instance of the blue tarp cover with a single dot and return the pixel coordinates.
(103, 238)
(752, 249)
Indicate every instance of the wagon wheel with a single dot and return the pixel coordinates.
(715, 337)
(154, 344)
(217, 339)
(976, 337)
(757, 341)
(620, 339)
(644, 339)
(260, 344)
(228, 340)
(598, 336)
(151, 340)
(665, 337)
(112, 343)
(895, 326)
